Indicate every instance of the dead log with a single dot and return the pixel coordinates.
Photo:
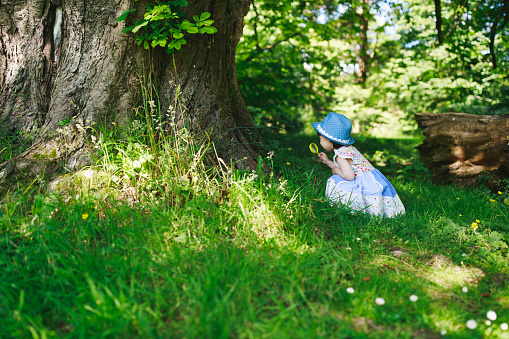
(459, 147)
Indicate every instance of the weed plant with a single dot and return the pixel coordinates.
(152, 243)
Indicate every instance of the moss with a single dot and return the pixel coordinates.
(46, 155)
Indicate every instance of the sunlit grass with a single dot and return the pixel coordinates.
(168, 247)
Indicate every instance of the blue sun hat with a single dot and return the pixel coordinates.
(335, 127)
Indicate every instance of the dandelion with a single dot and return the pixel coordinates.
(499, 193)
(474, 225)
(414, 298)
(460, 215)
(358, 239)
(458, 198)
(245, 158)
(288, 163)
(504, 327)
(472, 324)
(477, 220)
(464, 289)
(84, 216)
(350, 290)
(491, 315)
(492, 200)
(348, 248)
(380, 301)
(488, 323)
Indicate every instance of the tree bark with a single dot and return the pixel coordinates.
(459, 147)
(363, 15)
(438, 15)
(91, 75)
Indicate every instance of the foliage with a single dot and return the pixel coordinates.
(13, 143)
(164, 27)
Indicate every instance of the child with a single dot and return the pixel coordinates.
(354, 181)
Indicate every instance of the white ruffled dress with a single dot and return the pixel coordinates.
(369, 191)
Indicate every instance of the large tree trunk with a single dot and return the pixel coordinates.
(87, 72)
(459, 147)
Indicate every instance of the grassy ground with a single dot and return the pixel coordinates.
(151, 244)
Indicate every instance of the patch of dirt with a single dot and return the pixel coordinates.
(440, 261)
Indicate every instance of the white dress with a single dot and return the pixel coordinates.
(369, 191)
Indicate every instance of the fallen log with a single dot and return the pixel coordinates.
(459, 147)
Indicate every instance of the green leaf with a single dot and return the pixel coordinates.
(185, 24)
(177, 45)
(196, 18)
(124, 14)
(208, 30)
(204, 16)
(178, 35)
(192, 30)
(145, 44)
(169, 50)
(127, 29)
(207, 22)
(137, 28)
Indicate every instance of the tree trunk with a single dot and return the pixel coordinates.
(87, 72)
(363, 14)
(438, 15)
(459, 147)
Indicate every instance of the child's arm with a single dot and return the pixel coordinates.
(344, 170)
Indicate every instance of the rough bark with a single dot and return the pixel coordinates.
(93, 76)
(363, 15)
(459, 147)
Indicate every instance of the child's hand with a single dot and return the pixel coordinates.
(323, 157)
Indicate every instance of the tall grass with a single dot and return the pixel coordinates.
(151, 242)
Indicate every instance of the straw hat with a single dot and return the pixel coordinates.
(335, 127)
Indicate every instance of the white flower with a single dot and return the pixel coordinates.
(358, 239)
(67, 199)
(77, 197)
(443, 332)
(350, 290)
(472, 324)
(414, 298)
(348, 248)
(491, 315)
(380, 301)
(464, 289)
(504, 327)
(464, 255)
(488, 323)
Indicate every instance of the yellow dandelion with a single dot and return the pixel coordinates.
(245, 158)
(492, 200)
(84, 216)
(499, 192)
(477, 221)
(288, 163)
(460, 215)
(474, 225)
(458, 198)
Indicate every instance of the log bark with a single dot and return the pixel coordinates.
(90, 73)
(459, 147)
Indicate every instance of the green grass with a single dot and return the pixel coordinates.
(190, 252)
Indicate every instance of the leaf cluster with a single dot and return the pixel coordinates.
(163, 26)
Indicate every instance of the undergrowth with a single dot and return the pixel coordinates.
(151, 242)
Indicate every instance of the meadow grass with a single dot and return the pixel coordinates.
(152, 243)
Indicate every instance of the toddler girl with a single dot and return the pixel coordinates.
(354, 181)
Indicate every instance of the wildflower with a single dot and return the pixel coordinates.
(464, 289)
(358, 239)
(348, 248)
(488, 323)
(474, 225)
(245, 158)
(464, 254)
(492, 200)
(460, 215)
(380, 301)
(288, 163)
(504, 327)
(77, 197)
(443, 332)
(477, 221)
(414, 298)
(491, 315)
(458, 198)
(67, 199)
(350, 290)
(472, 324)
(84, 216)
(499, 192)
